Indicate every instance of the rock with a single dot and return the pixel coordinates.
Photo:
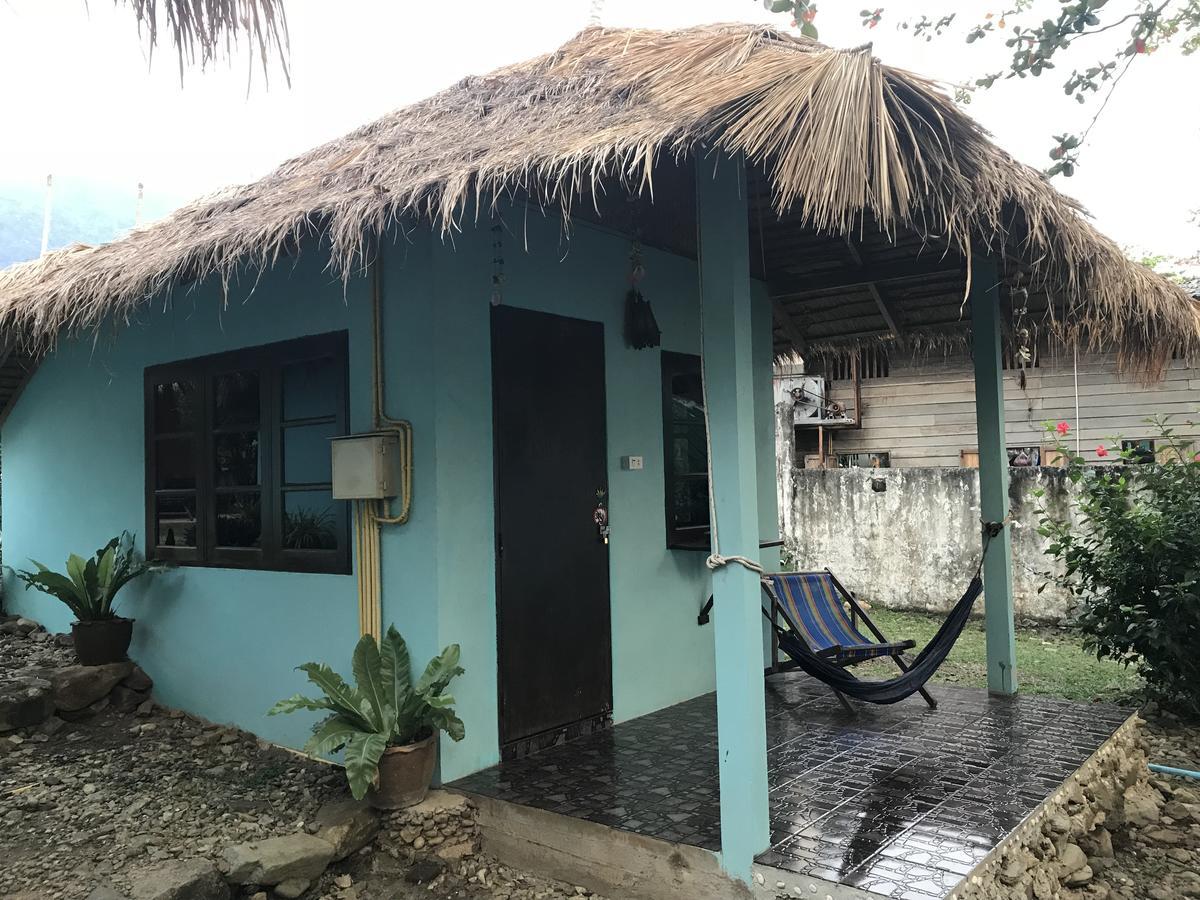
(146, 708)
(1143, 805)
(278, 859)
(1101, 843)
(343, 881)
(25, 701)
(424, 871)
(348, 825)
(138, 680)
(76, 687)
(126, 699)
(1079, 877)
(292, 888)
(105, 892)
(461, 850)
(1168, 836)
(1179, 855)
(1071, 859)
(51, 726)
(191, 879)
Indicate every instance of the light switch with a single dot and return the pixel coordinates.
(632, 463)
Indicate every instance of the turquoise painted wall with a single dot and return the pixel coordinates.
(223, 643)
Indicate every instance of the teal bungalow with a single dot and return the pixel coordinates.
(539, 286)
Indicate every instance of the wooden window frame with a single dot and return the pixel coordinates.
(698, 538)
(269, 362)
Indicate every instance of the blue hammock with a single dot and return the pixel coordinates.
(814, 612)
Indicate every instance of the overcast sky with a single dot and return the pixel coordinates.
(80, 100)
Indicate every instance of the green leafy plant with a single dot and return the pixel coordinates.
(384, 708)
(90, 586)
(1129, 551)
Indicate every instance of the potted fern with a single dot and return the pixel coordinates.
(387, 723)
(88, 590)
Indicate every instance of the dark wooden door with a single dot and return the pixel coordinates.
(555, 650)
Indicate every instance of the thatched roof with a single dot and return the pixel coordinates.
(839, 138)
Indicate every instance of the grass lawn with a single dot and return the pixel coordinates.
(1049, 660)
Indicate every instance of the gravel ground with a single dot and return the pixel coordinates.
(85, 803)
(1162, 861)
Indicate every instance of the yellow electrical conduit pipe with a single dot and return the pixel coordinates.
(370, 515)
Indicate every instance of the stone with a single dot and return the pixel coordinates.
(274, 860)
(77, 687)
(105, 892)
(190, 879)
(1167, 836)
(343, 881)
(138, 680)
(348, 825)
(1012, 871)
(1079, 877)
(1179, 855)
(292, 888)
(455, 852)
(1071, 858)
(424, 871)
(25, 701)
(146, 708)
(1143, 805)
(51, 726)
(126, 699)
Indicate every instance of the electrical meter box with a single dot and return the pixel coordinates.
(366, 466)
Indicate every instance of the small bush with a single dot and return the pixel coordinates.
(1130, 553)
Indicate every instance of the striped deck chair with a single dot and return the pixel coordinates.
(812, 606)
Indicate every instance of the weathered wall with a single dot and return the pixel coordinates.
(223, 642)
(916, 544)
(923, 413)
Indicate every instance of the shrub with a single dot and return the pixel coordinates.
(1130, 554)
(385, 708)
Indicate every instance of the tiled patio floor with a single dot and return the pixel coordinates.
(901, 801)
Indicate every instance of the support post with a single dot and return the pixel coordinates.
(724, 263)
(993, 473)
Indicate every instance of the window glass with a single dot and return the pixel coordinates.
(685, 450)
(175, 520)
(239, 520)
(235, 399)
(175, 406)
(176, 463)
(310, 390)
(307, 458)
(1141, 450)
(238, 458)
(310, 521)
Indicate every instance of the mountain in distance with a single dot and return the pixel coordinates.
(84, 211)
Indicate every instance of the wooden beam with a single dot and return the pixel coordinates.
(789, 327)
(865, 275)
(885, 309)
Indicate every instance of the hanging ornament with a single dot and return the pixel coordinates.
(641, 328)
(497, 265)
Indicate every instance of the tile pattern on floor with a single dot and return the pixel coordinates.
(901, 801)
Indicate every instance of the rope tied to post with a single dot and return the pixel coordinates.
(715, 559)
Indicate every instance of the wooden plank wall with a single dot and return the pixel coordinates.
(923, 413)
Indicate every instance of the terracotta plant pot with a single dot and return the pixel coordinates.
(102, 641)
(404, 775)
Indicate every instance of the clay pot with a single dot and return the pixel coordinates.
(102, 641)
(404, 775)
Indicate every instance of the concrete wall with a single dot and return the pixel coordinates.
(923, 412)
(222, 642)
(915, 545)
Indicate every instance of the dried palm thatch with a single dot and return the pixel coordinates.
(211, 28)
(839, 135)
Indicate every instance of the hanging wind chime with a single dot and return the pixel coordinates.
(641, 328)
(497, 265)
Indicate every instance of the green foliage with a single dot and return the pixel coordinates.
(1130, 553)
(90, 587)
(803, 13)
(384, 708)
(1140, 26)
